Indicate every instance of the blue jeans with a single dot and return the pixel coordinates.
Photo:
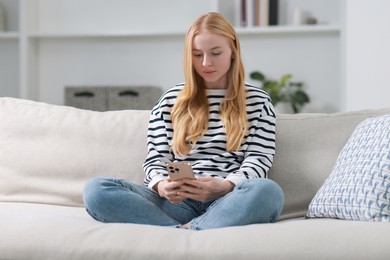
(252, 201)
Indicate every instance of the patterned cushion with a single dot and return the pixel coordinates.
(359, 185)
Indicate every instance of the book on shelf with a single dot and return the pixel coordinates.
(256, 13)
(273, 10)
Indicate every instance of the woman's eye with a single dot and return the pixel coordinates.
(216, 53)
(197, 55)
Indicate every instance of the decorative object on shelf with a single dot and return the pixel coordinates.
(301, 17)
(298, 16)
(283, 91)
(2, 18)
(311, 20)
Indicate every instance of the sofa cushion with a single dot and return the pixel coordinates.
(359, 186)
(36, 232)
(48, 152)
(307, 147)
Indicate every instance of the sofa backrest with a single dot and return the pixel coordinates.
(307, 147)
(48, 152)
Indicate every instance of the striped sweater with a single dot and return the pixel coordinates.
(209, 156)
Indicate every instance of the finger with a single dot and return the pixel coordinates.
(191, 182)
(187, 195)
(190, 188)
(176, 198)
(174, 185)
(175, 195)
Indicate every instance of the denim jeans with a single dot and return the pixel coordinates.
(119, 201)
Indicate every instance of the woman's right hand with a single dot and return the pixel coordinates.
(170, 190)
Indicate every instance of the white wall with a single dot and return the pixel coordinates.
(108, 61)
(149, 60)
(367, 54)
(312, 59)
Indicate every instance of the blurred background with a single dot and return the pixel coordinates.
(337, 49)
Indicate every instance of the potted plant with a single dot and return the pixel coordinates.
(283, 91)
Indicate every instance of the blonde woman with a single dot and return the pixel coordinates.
(223, 127)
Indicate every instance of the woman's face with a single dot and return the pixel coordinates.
(211, 58)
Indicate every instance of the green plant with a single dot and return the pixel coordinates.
(283, 90)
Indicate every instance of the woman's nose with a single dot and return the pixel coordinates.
(206, 61)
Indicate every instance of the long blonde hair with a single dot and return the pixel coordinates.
(190, 113)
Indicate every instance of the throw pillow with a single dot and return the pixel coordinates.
(359, 185)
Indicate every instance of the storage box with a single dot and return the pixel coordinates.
(104, 98)
(140, 98)
(91, 98)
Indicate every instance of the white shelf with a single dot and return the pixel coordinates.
(241, 31)
(106, 34)
(287, 29)
(9, 35)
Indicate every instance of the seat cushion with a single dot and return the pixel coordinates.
(35, 231)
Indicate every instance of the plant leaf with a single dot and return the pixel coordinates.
(301, 97)
(257, 75)
(284, 79)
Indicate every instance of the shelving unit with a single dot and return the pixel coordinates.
(9, 50)
(9, 35)
(53, 44)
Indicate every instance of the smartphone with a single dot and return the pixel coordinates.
(180, 170)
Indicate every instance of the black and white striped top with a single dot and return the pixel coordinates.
(209, 156)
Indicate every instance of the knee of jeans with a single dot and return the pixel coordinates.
(267, 189)
(273, 196)
(273, 187)
(277, 194)
(92, 193)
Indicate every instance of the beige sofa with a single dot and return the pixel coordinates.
(48, 152)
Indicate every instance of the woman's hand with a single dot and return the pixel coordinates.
(170, 190)
(204, 188)
(201, 189)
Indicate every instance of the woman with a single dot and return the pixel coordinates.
(224, 128)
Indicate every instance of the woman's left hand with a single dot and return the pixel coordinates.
(205, 188)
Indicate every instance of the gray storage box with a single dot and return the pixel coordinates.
(104, 98)
(91, 98)
(141, 98)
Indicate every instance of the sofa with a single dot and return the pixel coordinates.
(48, 153)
